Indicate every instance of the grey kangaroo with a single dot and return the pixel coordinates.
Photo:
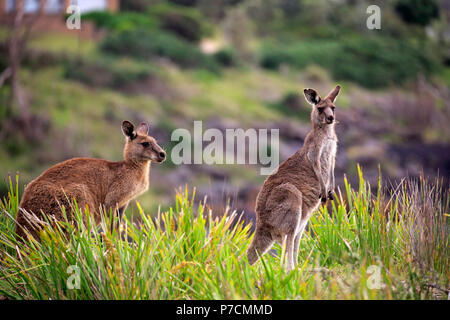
(289, 196)
(92, 182)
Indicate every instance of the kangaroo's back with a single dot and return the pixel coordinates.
(297, 171)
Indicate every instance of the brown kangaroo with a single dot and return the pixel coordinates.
(96, 183)
(289, 196)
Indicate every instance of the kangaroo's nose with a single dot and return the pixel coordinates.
(162, 155)
(330, 118)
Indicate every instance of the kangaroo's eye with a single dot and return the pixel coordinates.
(320, 109)
(145, 144)
(332, 108)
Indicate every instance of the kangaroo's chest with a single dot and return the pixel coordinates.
(328, 153)
(141, 185)
(134, 187)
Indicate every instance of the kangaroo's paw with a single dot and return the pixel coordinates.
(323, 197)
(330, 195)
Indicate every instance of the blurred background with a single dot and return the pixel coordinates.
(232, 64)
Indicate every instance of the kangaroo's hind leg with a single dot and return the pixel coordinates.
(284, 215)
(298, 237)
(289, 255)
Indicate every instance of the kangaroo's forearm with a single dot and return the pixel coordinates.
(317, 171)
(332, 178)
(122, 210)
(332, 181)
(314, 159)
(111, 203)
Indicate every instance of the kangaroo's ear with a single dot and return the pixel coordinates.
(312, 96)
(333, 94)
(128, 129)
(143, 128)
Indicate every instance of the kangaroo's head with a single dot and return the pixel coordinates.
(323, 109)
(139, 146)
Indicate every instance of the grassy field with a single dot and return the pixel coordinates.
(363, 246)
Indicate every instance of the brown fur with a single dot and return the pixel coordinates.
(289, 196)
(94, 183)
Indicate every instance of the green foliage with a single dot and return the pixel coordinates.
(188, 3)
(187, 23)
(9, 205)
(183, 25)
(226, 57)
(184, 253)
(372, 62)
(379, 62)
(134, 5)
(299, 55)
(419, 12)
(293, 104)
(145, 45)
(122, 21)
(105, 72)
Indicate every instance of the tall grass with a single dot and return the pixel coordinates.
(365, 246)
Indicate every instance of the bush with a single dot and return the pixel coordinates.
(226, 57)
(379, 62)
(182, 25)
(371, 62)
(299, 55)
(187, 3)
(104, 73)
(134, 5)
(293, 105)
(121, 22)
(146, 45)
(419, 12)
(187, 23)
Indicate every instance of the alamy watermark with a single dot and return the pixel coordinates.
(73, 281)
(374, 279)
(237, 146)
(374, 20)
(74, 19)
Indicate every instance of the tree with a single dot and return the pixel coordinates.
(20, 27)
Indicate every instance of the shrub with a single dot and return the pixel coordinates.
(226, 57)
(371, 62)
(187, 23)
(377, 62)
(188, 3)
(182, 25)
(134, 5)
(122, 21)
(104, 73)
(419, 12)
(293, 105)
(299, 55)
(144, 44)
